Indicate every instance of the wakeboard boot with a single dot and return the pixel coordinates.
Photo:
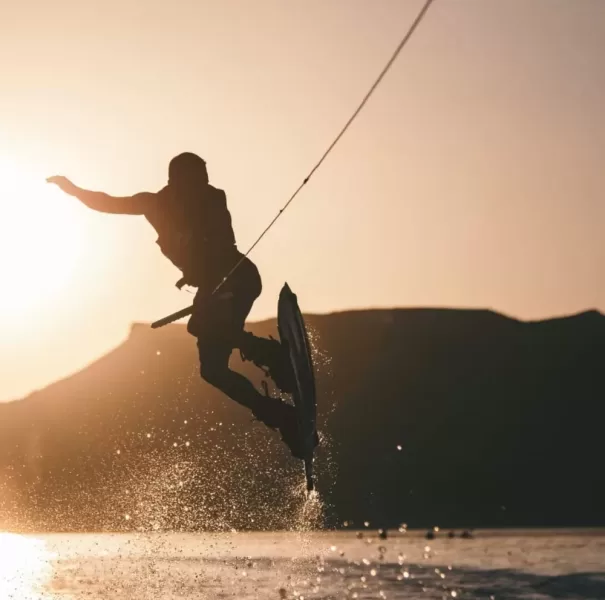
(272, 357)
(278, 415)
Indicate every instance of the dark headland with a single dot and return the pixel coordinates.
(456, 418)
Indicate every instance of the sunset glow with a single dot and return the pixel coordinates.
(24, 567)
(473, 178)
(40, 242)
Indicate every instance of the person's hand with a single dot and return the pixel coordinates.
(63, 184)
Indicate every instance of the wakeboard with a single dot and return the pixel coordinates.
(293, 335)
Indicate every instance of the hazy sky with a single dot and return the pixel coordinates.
(474, 178)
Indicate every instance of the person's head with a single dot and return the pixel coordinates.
(187, 171)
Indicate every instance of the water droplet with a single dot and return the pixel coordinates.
(373, 572)
(399, 447)
(187, 444)
(363, 578)
(174, 444)
(127, 517)
(454, 593)
(365, 561)
(332, 548)
(158, 353)
(427, 548)
(366, 523)
(436, 529)
(117, 452)
(406, 575)
(148, 435)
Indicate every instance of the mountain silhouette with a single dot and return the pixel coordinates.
(457, 418)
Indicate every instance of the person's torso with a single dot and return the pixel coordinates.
(195, 233)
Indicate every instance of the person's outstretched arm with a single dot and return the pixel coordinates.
(102, 202)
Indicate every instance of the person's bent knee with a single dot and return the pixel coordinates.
(194, 327)
(213, 372)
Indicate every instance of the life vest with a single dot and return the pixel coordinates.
(195, 233)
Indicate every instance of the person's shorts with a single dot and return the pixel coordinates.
(218, 320)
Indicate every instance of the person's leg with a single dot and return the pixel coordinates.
(218, 323)
(214, 368)
(267, 354)
(273, 412)
(214, 324)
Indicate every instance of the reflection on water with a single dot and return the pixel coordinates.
(309, 565)
(25, 567)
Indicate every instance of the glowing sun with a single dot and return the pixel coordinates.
(25, 567)
(40, 241)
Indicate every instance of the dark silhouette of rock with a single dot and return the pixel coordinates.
(489, 412)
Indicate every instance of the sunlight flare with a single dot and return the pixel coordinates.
(40, 241)
(25, 567)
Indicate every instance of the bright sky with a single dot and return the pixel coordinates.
(474, 178)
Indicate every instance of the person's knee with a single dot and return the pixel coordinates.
(194, 326)
(214, 372)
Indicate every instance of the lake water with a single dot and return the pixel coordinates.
(542, 565)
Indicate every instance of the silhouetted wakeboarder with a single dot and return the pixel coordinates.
(195, 233)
